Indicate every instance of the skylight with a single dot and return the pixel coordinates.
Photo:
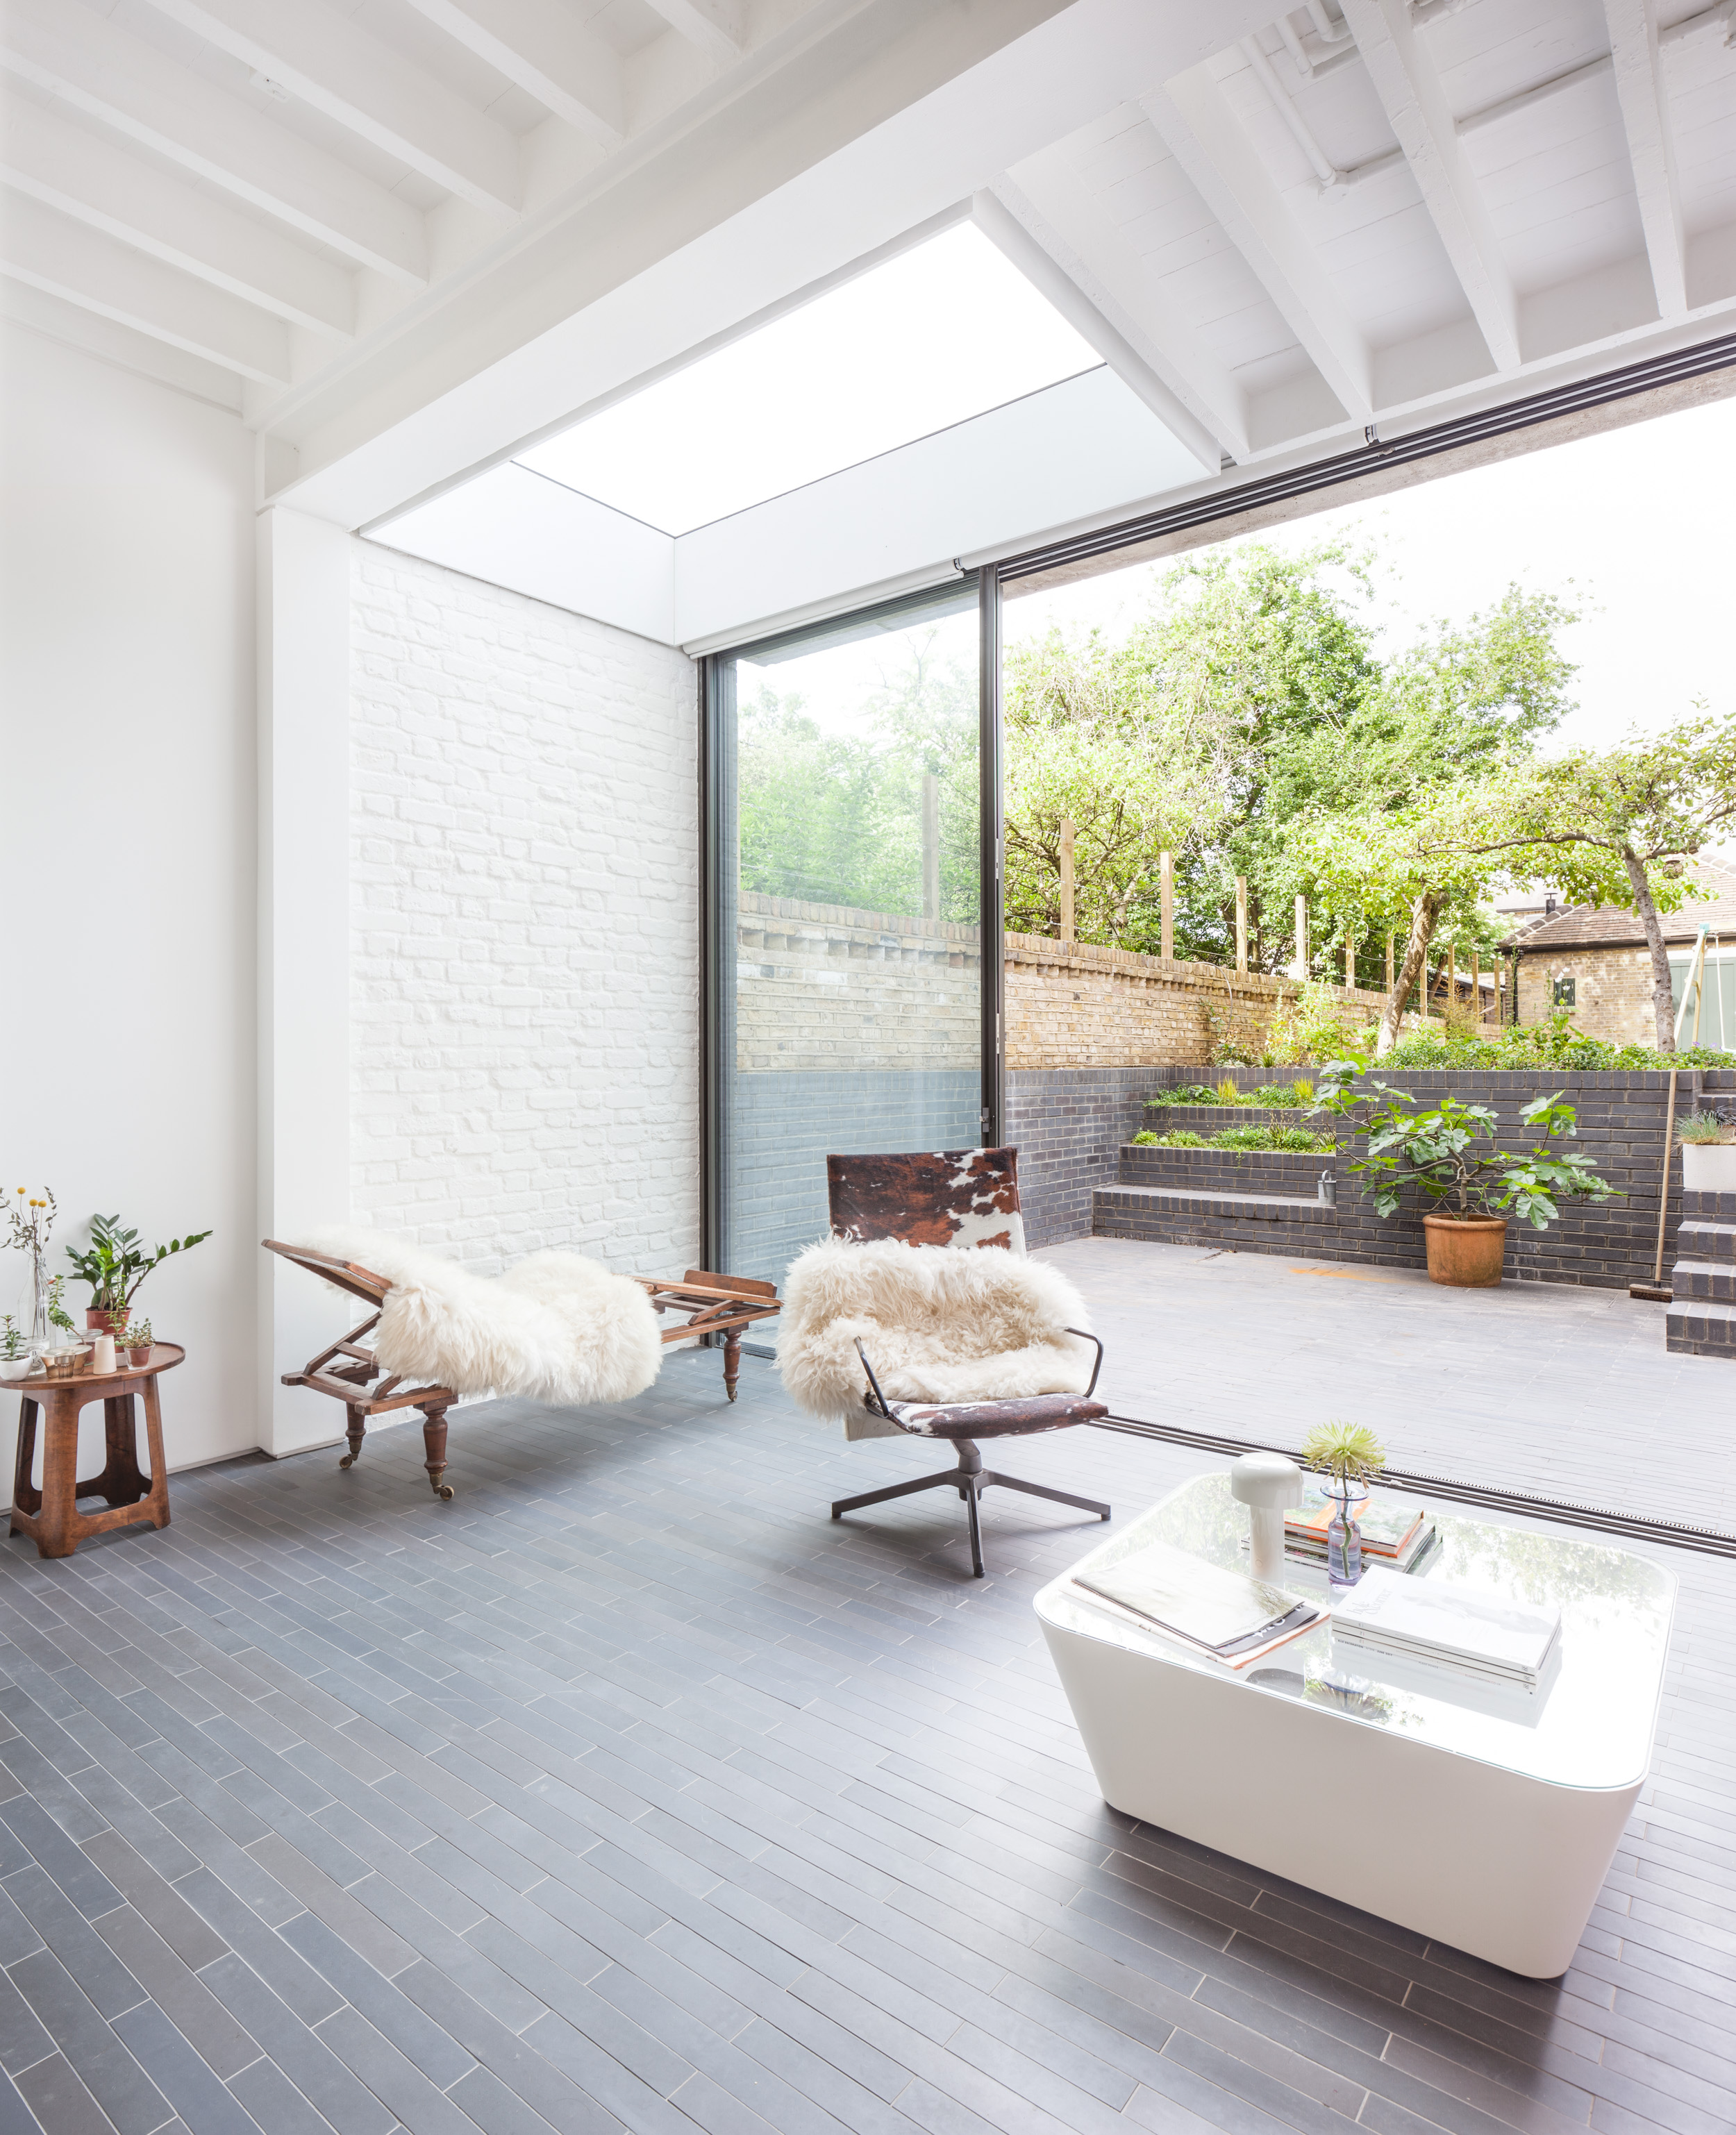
(932, 338)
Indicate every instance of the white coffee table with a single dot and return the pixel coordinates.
(1484, 1817)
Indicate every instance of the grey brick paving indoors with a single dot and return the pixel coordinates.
(627, 1791)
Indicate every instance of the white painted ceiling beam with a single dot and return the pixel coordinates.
(715, 26)
(89, 177)
(331, 63)
(1057, 235)
(1193, 115)
(104, 72)
(542, 47)
(99, 273)
(1416, 110)
(1633, 44)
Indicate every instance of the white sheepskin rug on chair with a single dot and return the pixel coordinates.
(939, 1324)
(556, 1328)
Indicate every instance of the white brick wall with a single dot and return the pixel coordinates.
(524, 981)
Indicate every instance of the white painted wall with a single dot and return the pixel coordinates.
(524, 1011)
(127, 763)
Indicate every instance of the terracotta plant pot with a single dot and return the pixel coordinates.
(1467, 1255)
(140, 1356)
(100, 1322)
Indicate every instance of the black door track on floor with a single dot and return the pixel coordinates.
(1712, 1542)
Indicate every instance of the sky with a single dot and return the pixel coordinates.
(1636, 525)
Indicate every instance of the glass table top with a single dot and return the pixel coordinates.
(1589, 1722)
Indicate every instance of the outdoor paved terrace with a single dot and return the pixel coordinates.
(629, 1791)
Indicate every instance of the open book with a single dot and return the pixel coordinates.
(1226, 1614)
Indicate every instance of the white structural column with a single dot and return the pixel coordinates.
(1007, 220)
(304, 944)
(1193, 115)
(1633, 43)
(1417, 110)
(1056, 211)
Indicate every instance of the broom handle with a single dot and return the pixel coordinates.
(1663, 1200)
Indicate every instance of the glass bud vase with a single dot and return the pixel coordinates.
(42, 1335)
(1344, 1540)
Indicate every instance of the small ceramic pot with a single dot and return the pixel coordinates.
(1467, 1254)
(14, 1368)
(139, 1358)
(1709, 1167)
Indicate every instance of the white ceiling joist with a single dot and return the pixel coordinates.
(1010, 223)
(100, 274)
(1633, 44)
(96, 68)
(1416, 110)
(542, 47)
(1194, 117)
(331, 63)
(1163, 360)
(715, 26)
(89, 177)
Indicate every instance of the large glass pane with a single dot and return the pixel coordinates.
(849, 987)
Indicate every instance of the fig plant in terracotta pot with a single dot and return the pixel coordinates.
(1471, 1195)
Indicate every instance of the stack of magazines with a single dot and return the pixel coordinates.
(1393, 1532)
(1454, 1626)
(1226, 1614)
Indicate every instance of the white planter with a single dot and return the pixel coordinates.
(1709, 1167)
(12, 1369)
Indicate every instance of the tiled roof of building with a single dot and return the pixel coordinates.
(1609, 927)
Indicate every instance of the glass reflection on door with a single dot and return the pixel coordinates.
(848, 992)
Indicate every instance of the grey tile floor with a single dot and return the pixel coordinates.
(1559, 1392)
(627, 1791)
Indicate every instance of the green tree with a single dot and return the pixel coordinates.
(1609, 828)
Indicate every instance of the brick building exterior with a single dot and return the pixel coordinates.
(1594, 959)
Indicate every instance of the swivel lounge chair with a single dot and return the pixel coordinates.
(945, 1342)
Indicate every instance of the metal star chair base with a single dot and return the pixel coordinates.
(995, 1419)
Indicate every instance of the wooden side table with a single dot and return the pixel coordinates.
(51, 1516)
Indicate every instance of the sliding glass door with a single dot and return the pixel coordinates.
(845, 888)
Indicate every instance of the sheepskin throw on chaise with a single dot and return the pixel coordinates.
(939, 1324)
(556, 1328)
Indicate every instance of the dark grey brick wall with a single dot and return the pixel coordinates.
(1067, 1124)
(1069, 1116)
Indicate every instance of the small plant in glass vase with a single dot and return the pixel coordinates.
(64, 1351)
(30, 1219)
(1468, 1194)
(16, 1359)
(1348, 1455)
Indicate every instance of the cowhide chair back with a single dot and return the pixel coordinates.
(951, 1197)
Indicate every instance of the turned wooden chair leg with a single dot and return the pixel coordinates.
(433, 1442)
(732, 1364)
(358, 1424)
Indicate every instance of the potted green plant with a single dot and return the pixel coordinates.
(1709, 1152)
(1348, 1455)
(1471, 1194)
(114, 1264)
(136, 1338)
(17, 1357)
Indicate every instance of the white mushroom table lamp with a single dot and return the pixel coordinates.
(1267, 1484)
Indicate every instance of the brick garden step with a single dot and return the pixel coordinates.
(1698, 1239)
(1715, 1280)
(1109, 1202)
(1699, 1329)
